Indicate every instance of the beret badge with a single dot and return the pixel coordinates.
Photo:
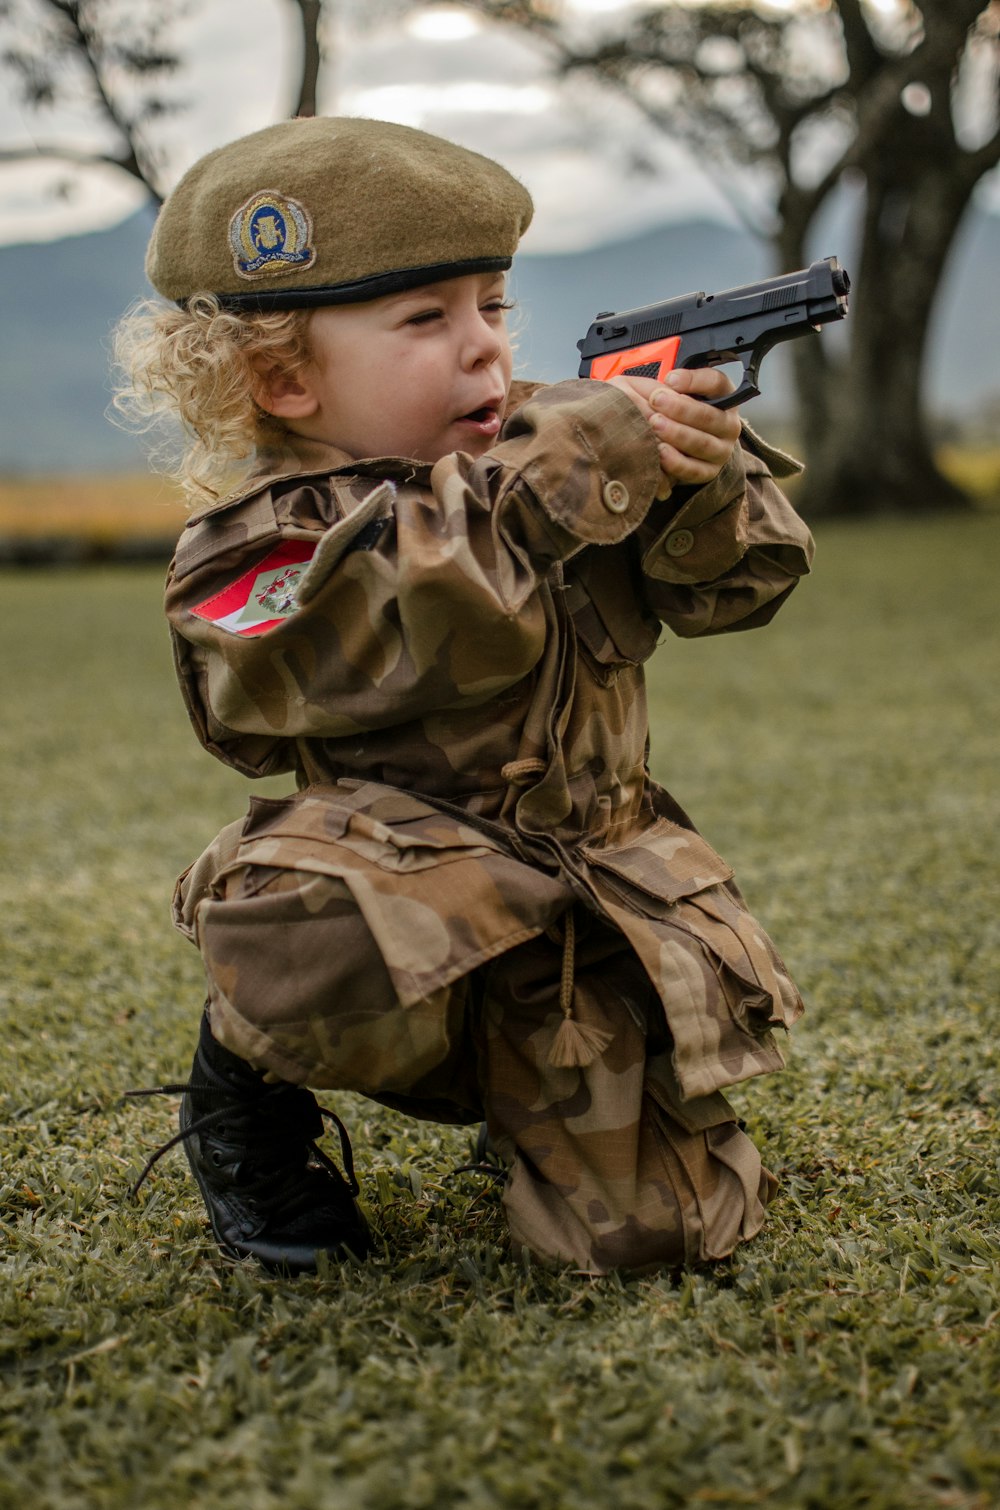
(270, 234)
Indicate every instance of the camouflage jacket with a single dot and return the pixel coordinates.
(450, 658)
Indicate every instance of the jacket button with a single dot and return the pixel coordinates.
(679, 543)
(615, 497)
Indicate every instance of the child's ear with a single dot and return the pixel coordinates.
(284, 395)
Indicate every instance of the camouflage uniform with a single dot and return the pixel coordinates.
(506, 917)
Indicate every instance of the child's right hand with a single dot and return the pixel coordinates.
(695, 439)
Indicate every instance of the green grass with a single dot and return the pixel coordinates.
(845, 760)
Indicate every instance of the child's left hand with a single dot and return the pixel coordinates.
(695, 440)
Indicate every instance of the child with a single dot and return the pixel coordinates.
(430, 600)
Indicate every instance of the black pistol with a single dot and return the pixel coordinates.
(709, 330)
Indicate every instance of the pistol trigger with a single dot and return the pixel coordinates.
(748, 389)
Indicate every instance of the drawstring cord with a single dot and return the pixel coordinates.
(576, 1044)
(521, 772)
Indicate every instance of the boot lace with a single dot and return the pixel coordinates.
(291, 1119)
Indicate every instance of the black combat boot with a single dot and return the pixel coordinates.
(271, 1193)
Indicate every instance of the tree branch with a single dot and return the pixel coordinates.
(84, 43)
(309, 18)
(864, 58)
(58, 152)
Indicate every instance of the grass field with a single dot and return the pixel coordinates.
(845, 760)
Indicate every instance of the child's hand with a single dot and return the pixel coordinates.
(695, 440)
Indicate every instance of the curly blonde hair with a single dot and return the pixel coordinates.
(200, 365)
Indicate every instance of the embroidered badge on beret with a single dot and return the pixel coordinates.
(270, 234)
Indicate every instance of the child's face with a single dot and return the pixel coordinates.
(419, 374)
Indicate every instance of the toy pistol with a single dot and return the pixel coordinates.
(708, 330)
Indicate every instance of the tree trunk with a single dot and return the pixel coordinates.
(816, 378)
(870, 450)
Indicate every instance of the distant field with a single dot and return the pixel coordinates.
(102, 514)
(845, 760)
(103, 517)
(977, 469)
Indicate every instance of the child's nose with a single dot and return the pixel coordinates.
(484, 343)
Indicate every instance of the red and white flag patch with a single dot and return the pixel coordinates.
(264, 596)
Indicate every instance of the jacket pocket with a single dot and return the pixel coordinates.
(380, 825)
(666, 862)
(674, 875)
(722, 982)
(437, 897)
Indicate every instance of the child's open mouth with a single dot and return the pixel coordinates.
(485, 421)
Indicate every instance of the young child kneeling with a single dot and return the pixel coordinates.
(430, 600)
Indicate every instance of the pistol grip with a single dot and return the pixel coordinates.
(653, 360)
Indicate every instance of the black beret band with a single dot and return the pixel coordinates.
(264, 300)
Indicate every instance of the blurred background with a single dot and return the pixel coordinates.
(669, 148)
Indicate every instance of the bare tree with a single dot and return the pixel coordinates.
(831, 93)
(113, 60)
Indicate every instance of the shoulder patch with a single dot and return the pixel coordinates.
(264, 596)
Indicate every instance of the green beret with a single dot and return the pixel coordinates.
(333, 211)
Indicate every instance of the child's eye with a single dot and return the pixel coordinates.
(498, 306)
(424, 317)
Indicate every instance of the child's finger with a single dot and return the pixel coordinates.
(689, 410)
(694, 439)
(639, 390)
(710, 442)
(678, 466)
(702, 382)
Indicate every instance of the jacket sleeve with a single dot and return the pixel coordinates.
(726, 556)
(413, 598)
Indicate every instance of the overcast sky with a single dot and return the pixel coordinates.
(488, 89)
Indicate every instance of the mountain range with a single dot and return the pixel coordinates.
(61, 299)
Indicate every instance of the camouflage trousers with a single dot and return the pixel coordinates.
(607, 1167)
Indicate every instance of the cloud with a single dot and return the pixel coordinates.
(487, 88)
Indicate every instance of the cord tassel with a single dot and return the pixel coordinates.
(576, 1044)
